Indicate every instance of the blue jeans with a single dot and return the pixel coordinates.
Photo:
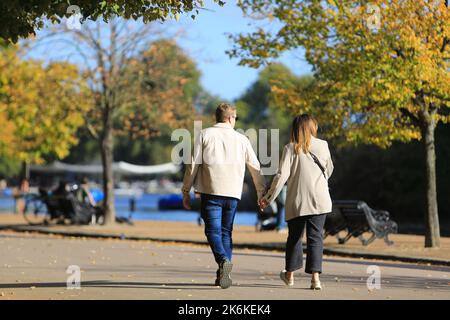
(280, 217)
(218, 214)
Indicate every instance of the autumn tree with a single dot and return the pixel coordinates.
(380, 68)
(257, 106)
(138, 84)
(22, 19)
(41, 107)
(164, 83)
(163, 67)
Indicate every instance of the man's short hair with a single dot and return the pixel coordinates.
(224, 111)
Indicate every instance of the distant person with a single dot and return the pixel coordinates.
(217, 172)
(3, 184)
(24, 188)
(61, 190)
(84, 194)
(61, 194)
(306, 166)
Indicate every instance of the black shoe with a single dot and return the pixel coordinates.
(225, 274)
(217, 282)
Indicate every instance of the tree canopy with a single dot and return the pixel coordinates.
(375, 81)
(20, 19)
(41, 107)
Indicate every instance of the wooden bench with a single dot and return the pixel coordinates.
(356, 218)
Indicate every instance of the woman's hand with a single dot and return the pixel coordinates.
(187, 201)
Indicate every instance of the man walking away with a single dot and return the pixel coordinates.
(217, 171)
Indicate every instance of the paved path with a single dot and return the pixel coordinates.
(34, 267)
(410, 247)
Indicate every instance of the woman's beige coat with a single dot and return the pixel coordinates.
(307, 188)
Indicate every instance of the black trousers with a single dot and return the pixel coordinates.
(314, 243)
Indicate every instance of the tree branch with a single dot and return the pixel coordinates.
(415, 120)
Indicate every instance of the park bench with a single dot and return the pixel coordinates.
(356, 218)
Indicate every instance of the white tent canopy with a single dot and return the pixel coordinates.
(118, 167)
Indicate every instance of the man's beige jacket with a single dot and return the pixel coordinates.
(218, 163)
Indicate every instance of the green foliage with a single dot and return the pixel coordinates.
(9, 167)
(257, 106)
(20, 19)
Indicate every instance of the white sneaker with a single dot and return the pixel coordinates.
(283, 277)
(225, 274)
(316, 285)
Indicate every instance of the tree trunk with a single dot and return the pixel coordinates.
(432, 232)
(25, 170)
(107, 162)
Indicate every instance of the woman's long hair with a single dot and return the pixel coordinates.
(303, 127)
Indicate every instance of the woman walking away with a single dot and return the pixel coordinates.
(306, 165)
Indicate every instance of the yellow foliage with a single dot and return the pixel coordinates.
(41, 107)
(380, 67)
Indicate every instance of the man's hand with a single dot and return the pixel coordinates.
(187, 201)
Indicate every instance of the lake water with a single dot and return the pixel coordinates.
(147, 209)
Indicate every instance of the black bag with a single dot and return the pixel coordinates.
(316, 160)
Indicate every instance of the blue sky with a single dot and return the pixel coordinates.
(205, 40)
(207, 43)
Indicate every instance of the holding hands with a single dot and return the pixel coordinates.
(263, 203)
(186, 201)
